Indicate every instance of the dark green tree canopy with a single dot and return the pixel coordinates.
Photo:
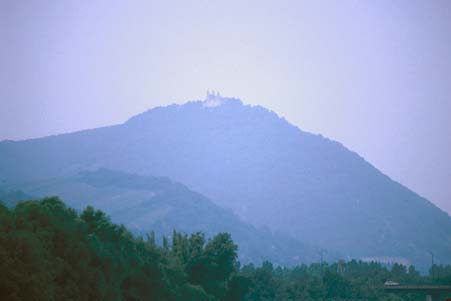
(50, 252)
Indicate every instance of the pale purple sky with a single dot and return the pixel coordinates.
(374, 75)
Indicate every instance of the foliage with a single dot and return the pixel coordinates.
(50, 252)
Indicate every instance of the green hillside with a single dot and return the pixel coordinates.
(145, 203)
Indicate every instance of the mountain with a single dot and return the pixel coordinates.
(265, 169)
(145, 203)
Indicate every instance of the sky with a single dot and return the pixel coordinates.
(373, 75)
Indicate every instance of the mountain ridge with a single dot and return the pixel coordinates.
(267, 170)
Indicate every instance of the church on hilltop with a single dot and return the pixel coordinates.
(213, 99)
(213, 95)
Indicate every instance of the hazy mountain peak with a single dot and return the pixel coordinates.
(213, 100)
(267, 170)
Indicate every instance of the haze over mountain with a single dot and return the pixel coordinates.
(144, 204)
(266, 170)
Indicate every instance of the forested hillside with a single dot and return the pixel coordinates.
(269, 172)
(145, 203)
(49, 252)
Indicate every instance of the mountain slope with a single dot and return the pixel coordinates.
(145, 203)
(267, 170)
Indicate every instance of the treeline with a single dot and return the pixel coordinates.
(50, 252)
